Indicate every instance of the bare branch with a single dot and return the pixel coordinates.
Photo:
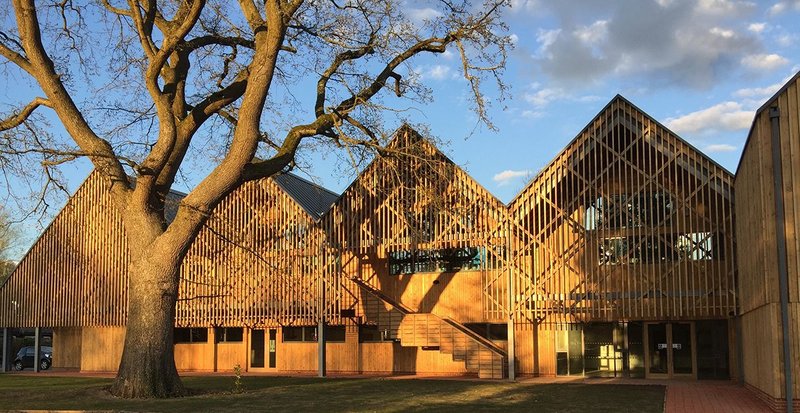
(20, 116)
(322, 83)
(43, 70)
(15, 57)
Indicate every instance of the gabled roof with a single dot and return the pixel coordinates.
(604, 113)
(406, 136)
(315, 199)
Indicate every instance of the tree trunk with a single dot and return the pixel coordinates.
(147, 368)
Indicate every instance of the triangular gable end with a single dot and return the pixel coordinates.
(76, 269)
(413, 195)
(613, 131)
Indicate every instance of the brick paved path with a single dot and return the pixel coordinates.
(708, 397)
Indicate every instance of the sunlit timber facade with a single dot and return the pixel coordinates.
(768, 243)
(619, 259)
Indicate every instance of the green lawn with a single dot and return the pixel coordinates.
(212, 393)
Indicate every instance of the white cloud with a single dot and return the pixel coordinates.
(531, 114)
(725, 33)
(676, 43)
(424, 14)
(764, 61)
(786, 39)
(514, 38)
(593, 33)
(438, 72)
(542, 97)
(783, 6)
(720, 147)
(546, 38)
(435, 72)
(725, 116)
(758, 92)
(524, 5)
(757, 27)
(724, 8)
(508, 176)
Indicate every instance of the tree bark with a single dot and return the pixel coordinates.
(147, 368)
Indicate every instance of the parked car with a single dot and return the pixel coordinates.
(25, 358)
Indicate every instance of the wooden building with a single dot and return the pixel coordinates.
(768, 239)
(619, 259)
(623, 255)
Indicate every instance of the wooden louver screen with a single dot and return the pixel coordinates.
(628, 222)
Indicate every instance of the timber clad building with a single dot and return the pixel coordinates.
(621, 258)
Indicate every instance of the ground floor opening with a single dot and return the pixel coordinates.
(643, 349)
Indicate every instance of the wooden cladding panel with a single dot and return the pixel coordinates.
(556, 243)
(75, 273)
(415, 200)
(255, 263)
(756, 229)
(757, 243)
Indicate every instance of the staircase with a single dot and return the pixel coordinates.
(481, 356)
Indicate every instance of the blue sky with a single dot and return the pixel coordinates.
(700, 67)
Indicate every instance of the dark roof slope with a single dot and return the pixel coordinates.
(314, 199)
(171, 204)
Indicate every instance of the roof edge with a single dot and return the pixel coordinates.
(617, 98)
(769, 102)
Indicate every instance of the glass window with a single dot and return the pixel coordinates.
(199, 335)
(436, 260)
(335, 334)
(306, 334)
(629, 211)
(369, 333)
(292, 333)
(695, 246)
(654, 249)
(613, 250)
(190, 335)
(229, 334)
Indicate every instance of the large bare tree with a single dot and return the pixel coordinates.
(8, 238)
(140, 84)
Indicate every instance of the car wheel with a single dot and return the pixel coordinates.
(18, 366)
(44, 365)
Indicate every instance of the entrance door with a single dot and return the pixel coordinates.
(257, 348)
(670, 350)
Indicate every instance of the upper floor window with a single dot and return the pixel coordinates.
(695, 246)
(628, 211)
(436, 260)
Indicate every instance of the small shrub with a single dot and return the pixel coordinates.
(237, 379)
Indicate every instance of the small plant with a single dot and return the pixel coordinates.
(237, 379)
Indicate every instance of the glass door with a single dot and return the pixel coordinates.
(257, 348)
(681, 347)
(670, 350)
(658, 349)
